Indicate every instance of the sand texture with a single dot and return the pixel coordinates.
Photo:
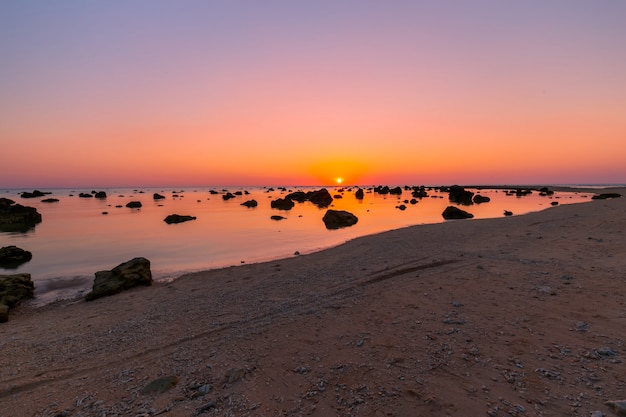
(517, 316)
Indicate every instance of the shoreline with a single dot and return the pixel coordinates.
(488, 315)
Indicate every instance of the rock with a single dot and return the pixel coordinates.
(604, 196)
(12, 256)
(85, 195)
(177, 218)
(50, 200)
(508, 213)
(134, 204)
(335, 219)
(15, 288)
(299, 196)
(618, 407)
(320, 198)
(395, 191)
(234, 375)
(460, 195)
(100, 195)
(277, 217)
(250, 203)
(124, 276)
(359, 194)
(453, 213)
(34, 194)
(479, 199)
(282, 204)
(157, 196)
(160, 385)
(228, 196)
(4, 313)
(17, 218)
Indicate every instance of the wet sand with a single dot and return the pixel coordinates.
(518, 316)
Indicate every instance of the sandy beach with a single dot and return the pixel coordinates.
(515, 316)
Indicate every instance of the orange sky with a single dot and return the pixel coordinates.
(281, 93)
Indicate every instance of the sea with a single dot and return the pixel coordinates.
(79, 236)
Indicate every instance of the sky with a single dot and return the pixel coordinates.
(195, 93)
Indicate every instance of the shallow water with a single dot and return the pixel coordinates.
(75, 239)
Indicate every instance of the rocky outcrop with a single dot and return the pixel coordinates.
(134, 204)
(228, 196)
(101, 195)
(250, 203)
(50, 200)
(177, 218)
(359, 194)
(336, 219)
(459, 195)
(17, 218)
(320, 198)
(14, 289)
(282, 204)
(124, 276)
(12, 256)
(479, 199)
(604, 196)
(157, 196)
(85, 195)
(455, 213)
(34, 194)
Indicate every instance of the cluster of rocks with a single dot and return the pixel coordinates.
(13, 289)
(17, 218)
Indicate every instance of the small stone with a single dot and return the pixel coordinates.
(204, 389)
(618, 407)
(160, 385)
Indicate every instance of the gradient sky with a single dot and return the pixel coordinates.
(175, 93)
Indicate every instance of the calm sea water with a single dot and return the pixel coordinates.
(75, 238)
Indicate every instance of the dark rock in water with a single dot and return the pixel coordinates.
(401, 207)
(395, 191)
(134, 204)
(228, 196)
(479, 199)
(282, 204)
(100, 195)
(453, 213)
(299, 196)
(277, 217)
(359, 194)
(124, 276)
(17, 218)
(460, 195)
(508, 213)
(12, 256)
(320, 198)
(335, 219)
(604, 196)
(85, 195)
(157, 196)
(177, 218)
(34, 194)
(14, 289)
(554, 203)
(50, 200)
(250, 203)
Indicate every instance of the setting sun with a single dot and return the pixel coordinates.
(339, 180)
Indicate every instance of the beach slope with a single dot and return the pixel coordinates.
(517, 316)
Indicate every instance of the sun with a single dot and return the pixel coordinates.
(339, 180)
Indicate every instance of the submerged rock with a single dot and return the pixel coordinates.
(177, 218)
(124, 276)
(250, 203)
(336, 219)
(12, 256)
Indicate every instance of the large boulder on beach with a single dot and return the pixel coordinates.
(17, 218)
(336, 219)
(124, 276)
(455, 213)
(12, 256)
(13, 289)
(177, 218)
